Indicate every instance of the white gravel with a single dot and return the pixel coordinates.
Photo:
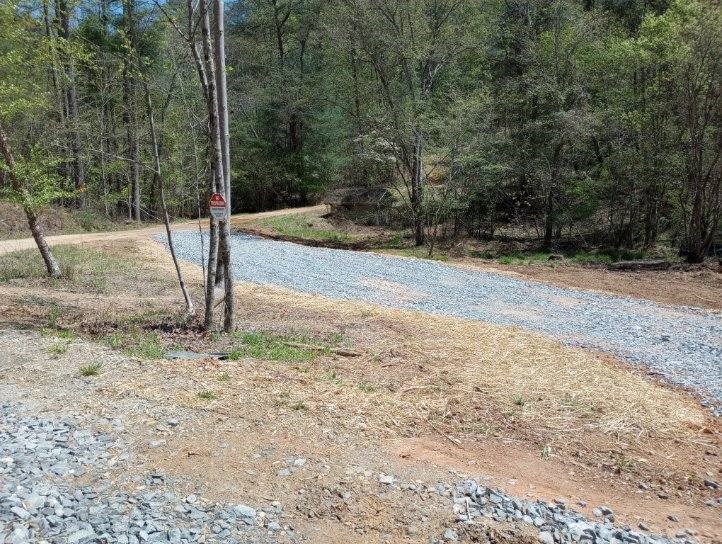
(681, 344)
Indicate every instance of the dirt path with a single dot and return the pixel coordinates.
(8, 246)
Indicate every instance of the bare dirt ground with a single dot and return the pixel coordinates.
(429, 399)
(697, 288)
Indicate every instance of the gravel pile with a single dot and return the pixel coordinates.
(553, 522)
(42, 463)
(684, 345)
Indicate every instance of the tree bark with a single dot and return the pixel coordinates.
(130, 118)
(549, 221)
(50, 263)
(161, 195)
(217, 179)
(53, 70)
(224, 227)
(417, 187)
(78, 171)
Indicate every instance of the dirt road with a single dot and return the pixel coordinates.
(8, 246)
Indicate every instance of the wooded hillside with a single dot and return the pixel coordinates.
(581, 122)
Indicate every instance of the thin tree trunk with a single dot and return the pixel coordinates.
(53, 70)
(103, 146)
(78, 172)
(50, 263)
(225, 230)
(549, 222)
(161, 195)
(129, 113)
(217, 182)
(208, 88)
(417, 188)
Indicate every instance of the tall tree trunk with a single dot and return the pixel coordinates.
(217, 179)
(417, 187)
(549, 220)
(50, 263)
(208, 88)
(53, 70)
(161, 195)
(78, 172)
(225, 226)
(130, 116)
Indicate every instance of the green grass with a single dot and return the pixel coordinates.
(61, 220)
(301, 225)
(259, 345)
(524, 258)
(207, 395)
(137, 344)
(333, 377)
(396, 241)
(83, 270)
(58, 349)
(63, 334)
(90, 220)
(420, 252)
(366, 387)
(579, 257)
(92, 369)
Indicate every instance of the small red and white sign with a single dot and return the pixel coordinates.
(218, 206)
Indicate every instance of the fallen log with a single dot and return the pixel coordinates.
(640, 265)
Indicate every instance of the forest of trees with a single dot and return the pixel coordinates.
(593, 120)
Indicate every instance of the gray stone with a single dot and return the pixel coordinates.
(243, 511)
(78, 536)
(69, 513)
(20, 512)
(19, 535)
(545, 537)
(450, 535)
(386, 479)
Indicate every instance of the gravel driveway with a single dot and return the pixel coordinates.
(682, 344)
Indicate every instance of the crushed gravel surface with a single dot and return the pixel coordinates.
(680, 344)
(45, 467)
(56, 487)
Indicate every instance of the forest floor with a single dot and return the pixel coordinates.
(356, 421)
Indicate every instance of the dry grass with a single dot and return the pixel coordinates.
(461, 374)
(418, 375)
